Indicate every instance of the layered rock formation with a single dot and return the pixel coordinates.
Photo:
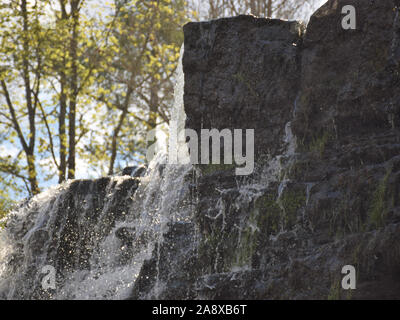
(325, 192)
(333, 200)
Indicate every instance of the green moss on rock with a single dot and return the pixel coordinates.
(378, 206)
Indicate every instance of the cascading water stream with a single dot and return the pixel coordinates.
(252, 189)
(99, 248)
(98, 237)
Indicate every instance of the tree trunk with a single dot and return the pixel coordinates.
(32, 175)
(152, 120)
(269, 9)
(62, 133)
(62, 114)
(114, 143)
(30, 149)
(253, 7)
(74, 90)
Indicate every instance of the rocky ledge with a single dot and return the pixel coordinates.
(334, 198)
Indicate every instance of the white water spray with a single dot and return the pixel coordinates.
(113, 267)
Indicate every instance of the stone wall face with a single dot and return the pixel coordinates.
(336, 201)
(242, 73)
(349, 78)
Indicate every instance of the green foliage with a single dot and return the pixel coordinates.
(82, 81)
(5, 206)
(9, 189)
(136, 93)
(80, 85)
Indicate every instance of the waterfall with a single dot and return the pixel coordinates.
(95, 234)
(99, 235)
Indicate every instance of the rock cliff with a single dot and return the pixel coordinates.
(333, 198)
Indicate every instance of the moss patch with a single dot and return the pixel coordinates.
(318, 143)
(208, 169)
(334, 293)
(268, 214)
(292, 201)
(378, 206)
(243, 79)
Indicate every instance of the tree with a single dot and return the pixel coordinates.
(77, 85)
(137, 91)
(283, 9)
(52, 51)
(75, 58)
(21, 45)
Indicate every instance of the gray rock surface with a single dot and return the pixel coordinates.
(239, 73)
(336, 200)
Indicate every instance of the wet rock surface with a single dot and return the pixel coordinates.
(335, 200)
(134, 171)
(71, 224)
(239, 73)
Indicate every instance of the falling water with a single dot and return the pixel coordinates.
(105, 263)
(98, 234)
